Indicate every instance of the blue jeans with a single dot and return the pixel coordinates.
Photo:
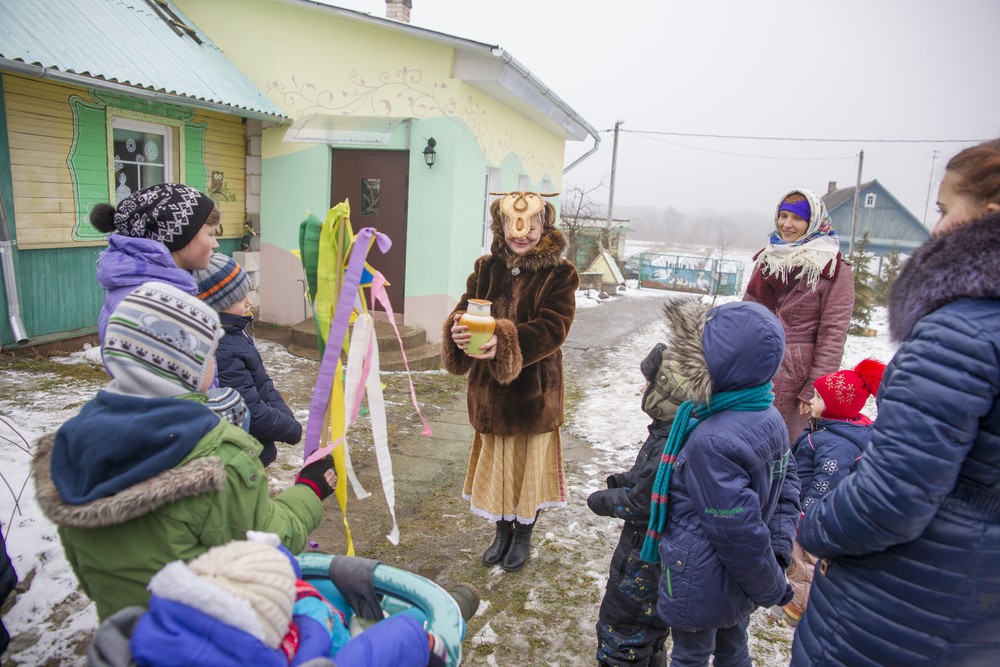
(693, 649)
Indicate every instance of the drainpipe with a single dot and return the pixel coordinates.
(10, 280)
(550, 95)
(597, 144)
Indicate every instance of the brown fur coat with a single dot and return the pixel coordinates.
(520, 391)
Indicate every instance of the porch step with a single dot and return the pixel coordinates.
(420, 354)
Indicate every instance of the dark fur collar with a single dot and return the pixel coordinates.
(963, 264)
(547, 254)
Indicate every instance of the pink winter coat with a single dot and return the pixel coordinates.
(815, 323)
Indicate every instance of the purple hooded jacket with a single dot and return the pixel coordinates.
(129, 262)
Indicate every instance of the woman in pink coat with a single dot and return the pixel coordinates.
(803, 278)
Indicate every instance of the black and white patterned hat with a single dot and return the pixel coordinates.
(168, 212)
(159, 342)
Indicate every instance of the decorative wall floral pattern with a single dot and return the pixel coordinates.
(391, 95)
(404, 93)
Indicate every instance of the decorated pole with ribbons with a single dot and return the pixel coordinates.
(337, 272)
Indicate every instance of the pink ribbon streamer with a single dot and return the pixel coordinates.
(380, 295)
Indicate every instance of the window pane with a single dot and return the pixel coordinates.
(371, 188)
(138, 160)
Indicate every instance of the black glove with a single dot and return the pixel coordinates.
(595, 501)
(319, 477)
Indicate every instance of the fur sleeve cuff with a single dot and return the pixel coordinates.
(507, 364)
(454, 360)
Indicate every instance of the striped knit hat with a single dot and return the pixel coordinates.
(159, 342)
(223, 283)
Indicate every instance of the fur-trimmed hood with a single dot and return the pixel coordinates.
(120, 457)
(199, 476)
(729, 347)
(963, 264)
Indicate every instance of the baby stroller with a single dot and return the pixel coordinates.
(363, 590)
(366, 590)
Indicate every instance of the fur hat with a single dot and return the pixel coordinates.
(247, 584)
(159, 342)
(223, 283)
(845, 393)
(167, 212)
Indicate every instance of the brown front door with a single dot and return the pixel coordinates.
(375, 183)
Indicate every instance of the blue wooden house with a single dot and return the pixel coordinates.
(888, 223)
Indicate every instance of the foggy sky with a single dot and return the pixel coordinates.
(821, 69)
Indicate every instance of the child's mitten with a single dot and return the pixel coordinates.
(319, 476)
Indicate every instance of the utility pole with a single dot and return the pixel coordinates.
(614, 164)
(930, 180)
(857, 197)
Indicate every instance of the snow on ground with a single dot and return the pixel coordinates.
(615, 428)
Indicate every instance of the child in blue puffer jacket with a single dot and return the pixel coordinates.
(726, 497)
(225, 286)
(827, 452)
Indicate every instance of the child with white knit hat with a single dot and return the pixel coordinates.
(225, 286)
(145, 474)
(245, 603)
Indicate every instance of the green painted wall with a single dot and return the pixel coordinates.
(291, 185)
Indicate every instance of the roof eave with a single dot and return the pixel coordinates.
(41, 72)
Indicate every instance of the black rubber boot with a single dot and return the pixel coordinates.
(467, 597)
(501, 543)
(520, 549)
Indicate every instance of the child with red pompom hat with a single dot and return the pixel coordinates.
(827, 451)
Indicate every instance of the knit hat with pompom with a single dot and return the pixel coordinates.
(246, 584)
(845, 392)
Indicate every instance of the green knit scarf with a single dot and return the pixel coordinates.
(689, 415)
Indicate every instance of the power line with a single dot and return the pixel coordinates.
(756, 138)
(749, 155)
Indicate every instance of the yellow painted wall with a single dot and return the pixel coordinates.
(308, 60)
(40, 131)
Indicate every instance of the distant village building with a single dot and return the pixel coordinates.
(589, 235)
(888, 223)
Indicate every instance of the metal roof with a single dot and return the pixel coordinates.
(132, 46)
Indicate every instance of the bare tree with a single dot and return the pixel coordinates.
(578, 212)
(724, 237)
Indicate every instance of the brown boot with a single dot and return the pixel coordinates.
(501, 543)
(520, 549)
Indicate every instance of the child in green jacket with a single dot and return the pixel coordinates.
(146, 474)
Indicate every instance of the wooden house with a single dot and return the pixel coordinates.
(888, 223)
(98, 99)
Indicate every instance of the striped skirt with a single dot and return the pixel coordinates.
(512, 477)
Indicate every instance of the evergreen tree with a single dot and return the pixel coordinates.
(890, 269)
(864, 290)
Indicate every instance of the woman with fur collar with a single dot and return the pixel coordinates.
(803, 279)
(515, 393)
(911, 540)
